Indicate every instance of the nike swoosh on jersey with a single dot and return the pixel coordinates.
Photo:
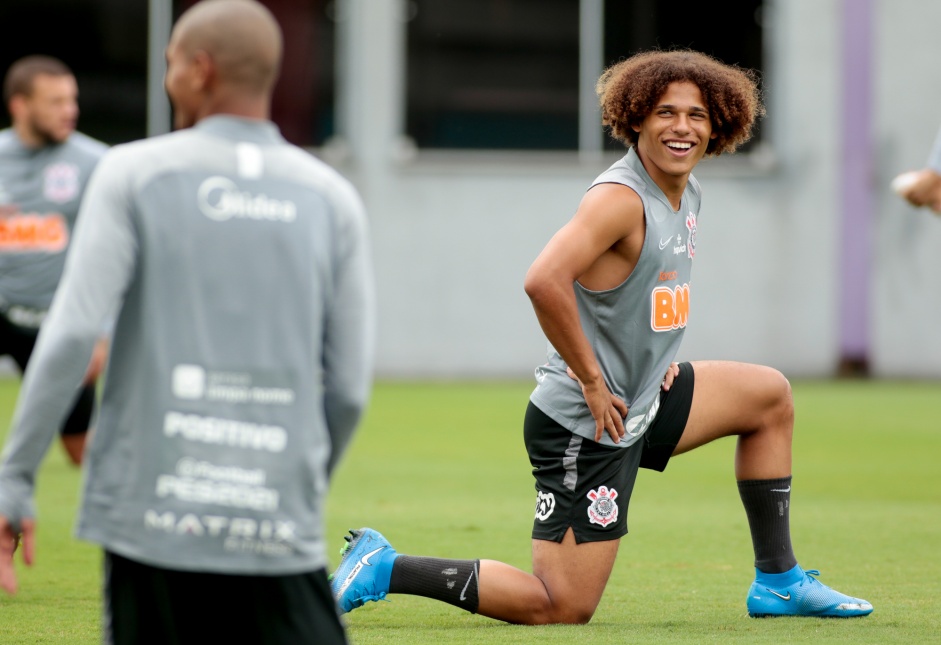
(663, 244)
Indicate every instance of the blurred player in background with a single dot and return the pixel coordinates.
(611, 291)
(241, 361)
(44, 168)
(923, 187)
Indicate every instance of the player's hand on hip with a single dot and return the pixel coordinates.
(607, 409)
(672, 372)
(9, 541)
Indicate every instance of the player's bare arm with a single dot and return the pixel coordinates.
(672, 372)
(598, 248)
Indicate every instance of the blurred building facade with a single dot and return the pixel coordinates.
(471, 129)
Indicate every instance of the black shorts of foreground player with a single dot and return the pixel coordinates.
(611, 292)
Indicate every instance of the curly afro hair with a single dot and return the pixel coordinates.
(629, 91)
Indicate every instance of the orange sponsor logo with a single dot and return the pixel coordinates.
(667, 275)
(33, 232)
(669, 308)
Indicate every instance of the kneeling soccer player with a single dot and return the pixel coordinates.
(611, 292)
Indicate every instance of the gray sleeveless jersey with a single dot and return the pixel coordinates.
(241, 358)
(635, 328)
(42, 189)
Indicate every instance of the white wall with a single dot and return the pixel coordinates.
(454, 233)
(907, 269)
(765, 269)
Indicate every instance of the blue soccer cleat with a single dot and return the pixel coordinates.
(798, 593)
(364, 571)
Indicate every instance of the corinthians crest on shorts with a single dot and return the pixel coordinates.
(602, 510)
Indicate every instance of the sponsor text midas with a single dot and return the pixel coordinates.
(34, 232)
(669, 308)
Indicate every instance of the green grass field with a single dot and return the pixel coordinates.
(440, 469)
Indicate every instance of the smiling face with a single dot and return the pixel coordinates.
(674, 137)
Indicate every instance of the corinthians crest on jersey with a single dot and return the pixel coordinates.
(60, 182)
(603, 509)
(691, 240)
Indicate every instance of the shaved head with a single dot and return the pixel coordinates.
(241, 36)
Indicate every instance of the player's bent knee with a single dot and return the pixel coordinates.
(785, 397)
(780, 400)
(569, 612)
(577, 616)
(562, 611)
(562, 616)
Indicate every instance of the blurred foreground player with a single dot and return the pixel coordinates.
(241, 362)
(44, 168)
(611, 291)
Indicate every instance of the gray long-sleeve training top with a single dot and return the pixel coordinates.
(239, 269)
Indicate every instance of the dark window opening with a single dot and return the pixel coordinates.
(497, 74)
(104, 42)
(503, 74)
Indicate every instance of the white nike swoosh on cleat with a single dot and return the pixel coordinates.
(365, 558)
(787, 597)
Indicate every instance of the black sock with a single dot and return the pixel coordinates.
(767, 503)
(451, 581)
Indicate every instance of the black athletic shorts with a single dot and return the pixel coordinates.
(17, 343)
(145, 605)
(586, 485)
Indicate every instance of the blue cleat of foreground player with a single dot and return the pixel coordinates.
(798, 593)
(364, 571)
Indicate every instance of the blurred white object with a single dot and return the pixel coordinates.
(904, 181)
